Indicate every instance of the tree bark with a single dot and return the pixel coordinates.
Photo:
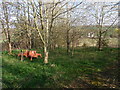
(6, 15)
(21, 56)
(100, 41)
(46, 54)
(68, 26)
(68, 42)
(72, 48)
(10, 47)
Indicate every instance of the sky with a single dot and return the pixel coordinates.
(90, 1)
(103, 0)
(70, 0)
(86, 0)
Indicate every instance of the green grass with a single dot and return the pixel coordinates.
(61, 71)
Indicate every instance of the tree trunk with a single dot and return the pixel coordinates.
(29, 31)
(6, 15)
(68, 25)
(10, 47)
(21, 56)
(100, 42)
(68, 42)
(118, 63)
(46, 54)
(9, 39)
(46, 44)
(68, 47)
(72, 50)
(30, 43)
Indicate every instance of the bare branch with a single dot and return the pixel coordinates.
(110, 26)
(67, 10)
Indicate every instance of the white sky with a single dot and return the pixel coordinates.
(69, 0)
(86, 0)
(102, 0)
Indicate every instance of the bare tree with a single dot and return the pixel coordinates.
(103, 15)
(6, 24)
(47, 13)
(35, 16)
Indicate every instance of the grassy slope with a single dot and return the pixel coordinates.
(86, 68)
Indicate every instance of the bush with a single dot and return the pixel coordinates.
(84, 45)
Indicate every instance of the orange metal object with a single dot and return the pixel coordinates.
(31, 54)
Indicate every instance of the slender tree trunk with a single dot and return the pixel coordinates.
(21, 56)
(7, 35)
(72, 48)
(29, 31)
(68, 25)
(9, 40)
(30, 39)
(30, 43)
(46, 54)
(10, 47)
(68, 42)
(73, 42)
(6, 15)
(100, 41)
(118, 63)
(46, 35)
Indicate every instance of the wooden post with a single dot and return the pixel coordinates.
(21, 55)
